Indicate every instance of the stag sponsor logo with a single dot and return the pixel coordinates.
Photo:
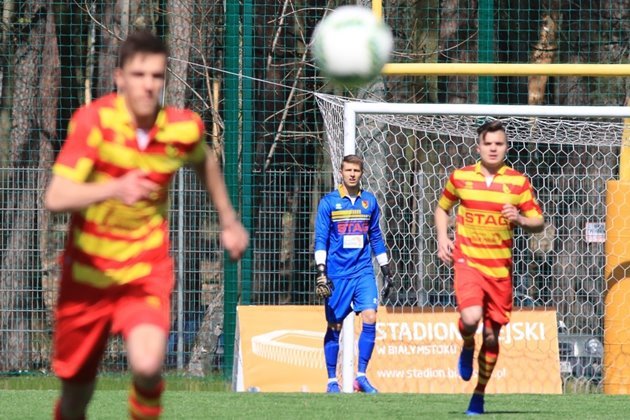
(352, 227)
(486, 219)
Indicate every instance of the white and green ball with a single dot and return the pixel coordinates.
(351, 45)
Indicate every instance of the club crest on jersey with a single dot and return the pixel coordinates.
(506, 189)
(365, 204)
(338, 206)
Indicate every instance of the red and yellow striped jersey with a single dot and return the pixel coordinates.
(483, 236)
(110, 242)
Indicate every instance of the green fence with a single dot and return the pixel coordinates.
(245, 68)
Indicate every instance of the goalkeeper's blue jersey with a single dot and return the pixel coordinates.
(348, 233)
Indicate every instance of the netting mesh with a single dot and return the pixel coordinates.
(407, 161)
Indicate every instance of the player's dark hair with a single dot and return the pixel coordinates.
(140, 42)
(352, 159)
(490, 127)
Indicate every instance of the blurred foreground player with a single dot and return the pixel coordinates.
(113, 175)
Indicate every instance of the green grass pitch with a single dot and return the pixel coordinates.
(189, 398)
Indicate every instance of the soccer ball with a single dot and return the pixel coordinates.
(351, 45)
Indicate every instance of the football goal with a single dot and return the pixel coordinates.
(571, 154)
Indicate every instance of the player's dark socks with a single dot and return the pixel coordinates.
(475, 407)
(465, 363)
(366, 345)
(145, 404)
(57, 414)
(331, 351)
(487, 361)
(469, 338)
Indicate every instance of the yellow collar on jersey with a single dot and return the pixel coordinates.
(344, 193)
(501, 170)
(124, 115)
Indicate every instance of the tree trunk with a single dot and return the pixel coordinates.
(615, 33)
(20, 262)
(205, 81)
(116, 19)
(6, 53)
(458, 44)
(206, 291)
(543, 53)
(181, 18)
(577, 34)
(274, 52)
(49, 85)
(180, 15)
(112, 32)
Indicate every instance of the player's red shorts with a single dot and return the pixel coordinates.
(85, 317)
(473, 288)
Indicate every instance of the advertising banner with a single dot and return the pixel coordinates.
(281, 350)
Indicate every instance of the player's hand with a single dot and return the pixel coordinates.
(134, 186)
(324, 287)
(511, 213)
(445, 250)
(235, 239)
(387, 282)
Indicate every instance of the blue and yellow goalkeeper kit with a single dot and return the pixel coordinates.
(348, 230)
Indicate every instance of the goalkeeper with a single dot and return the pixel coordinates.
(346, 234)
(493, 199)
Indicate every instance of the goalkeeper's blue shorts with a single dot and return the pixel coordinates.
(355, 294)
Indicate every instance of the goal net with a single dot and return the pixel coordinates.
(569, 154)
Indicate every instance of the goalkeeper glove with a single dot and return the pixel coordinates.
(324, 287)
(387, 282)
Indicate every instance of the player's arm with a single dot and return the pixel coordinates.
(234, 237)
(533, 224)
(323, 222)
(441, 218)
(444, 243)
(380, 250)
(527, 214)
(64, 194)
(211, 175)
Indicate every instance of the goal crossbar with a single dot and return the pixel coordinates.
(352, 109)
(507, 69)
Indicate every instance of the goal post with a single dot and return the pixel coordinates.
(571, 154)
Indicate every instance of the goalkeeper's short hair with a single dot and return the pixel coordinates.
(352, 159)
